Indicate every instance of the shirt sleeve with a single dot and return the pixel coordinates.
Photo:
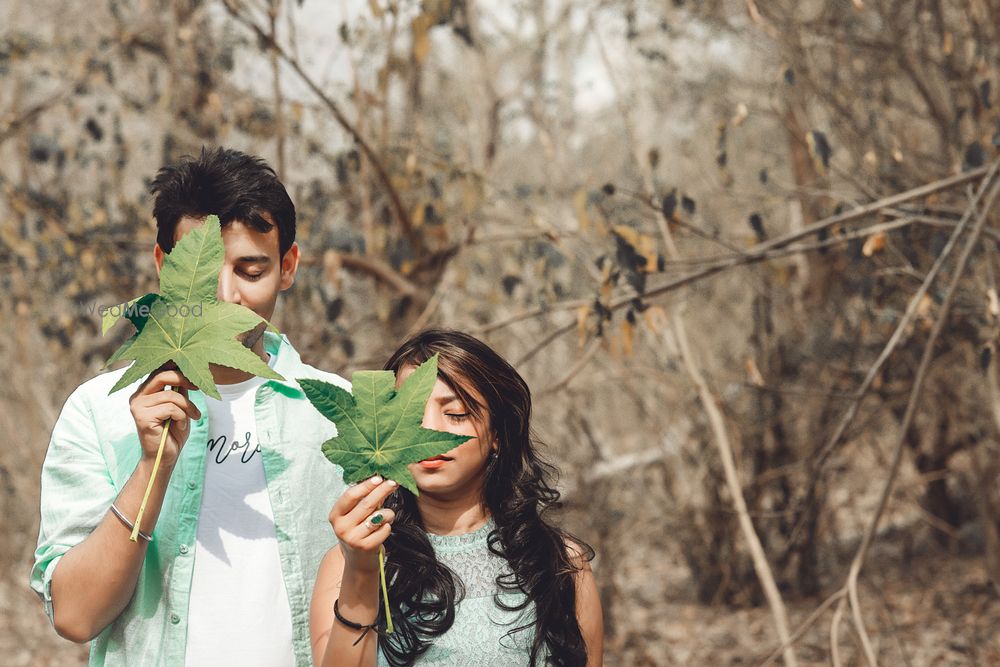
(76, 491)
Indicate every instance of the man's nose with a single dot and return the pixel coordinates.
(228, 291)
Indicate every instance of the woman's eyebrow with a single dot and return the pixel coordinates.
(446, 399)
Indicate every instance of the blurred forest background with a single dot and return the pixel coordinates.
(745, 253)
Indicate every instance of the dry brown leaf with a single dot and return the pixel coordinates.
(875, 243)
(472, 194)
(741, 114)
(656, 319)
(421, 38)
(419, 213)
(645, 246)
(580, 208)
(924, 307)
(755, 376)
(628, 336)
(994, 307)
(582, 315)
(331, 267)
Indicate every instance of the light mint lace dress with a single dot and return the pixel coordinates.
(478, 636)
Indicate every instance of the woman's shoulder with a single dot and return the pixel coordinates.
(579, 553)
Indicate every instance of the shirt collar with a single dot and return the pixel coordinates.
(287, 363)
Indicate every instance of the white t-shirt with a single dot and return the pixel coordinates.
(239, 612)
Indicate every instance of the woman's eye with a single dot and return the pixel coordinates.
(457, 417)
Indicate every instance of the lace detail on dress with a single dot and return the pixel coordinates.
(479, 634)
(470, 558)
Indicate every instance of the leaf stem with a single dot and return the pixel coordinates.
(149, 485)
(385, 590)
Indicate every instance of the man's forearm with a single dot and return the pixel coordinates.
(94, 581)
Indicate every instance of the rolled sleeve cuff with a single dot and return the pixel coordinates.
(46, 589)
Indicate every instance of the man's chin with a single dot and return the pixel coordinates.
(252, 337)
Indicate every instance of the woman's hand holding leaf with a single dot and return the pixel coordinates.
(359, 540)
(152, 405)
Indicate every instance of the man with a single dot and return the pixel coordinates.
(237, 521)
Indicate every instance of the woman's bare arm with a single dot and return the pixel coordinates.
(589, 613)
(349, 576)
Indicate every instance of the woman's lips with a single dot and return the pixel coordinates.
(434, 462)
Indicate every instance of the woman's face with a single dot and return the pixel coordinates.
(460, 470)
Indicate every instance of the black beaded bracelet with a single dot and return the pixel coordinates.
(351, 624)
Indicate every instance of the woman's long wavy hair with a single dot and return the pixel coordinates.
(517, 491)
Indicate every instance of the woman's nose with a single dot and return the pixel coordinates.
(432, 419)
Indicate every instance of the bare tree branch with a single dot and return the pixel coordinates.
(894, 340)
(399, 210)
(759, 252)
(911, 409)
(379, 270)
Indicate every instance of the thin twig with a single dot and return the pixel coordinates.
(584, 359)
(757, 253)
(379, 270)
(708, 400)
(890, 345)
(399, 210)
(911, 410)
(274, 6)
(805, 625)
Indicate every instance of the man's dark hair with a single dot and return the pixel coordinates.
(227, 183)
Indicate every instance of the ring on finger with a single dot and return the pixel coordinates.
(374, 521)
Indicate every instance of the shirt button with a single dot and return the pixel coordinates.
(183, 549)
(192, 485)
(175, 619)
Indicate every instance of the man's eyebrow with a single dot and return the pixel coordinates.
(254, 259)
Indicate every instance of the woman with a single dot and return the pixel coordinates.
(477, 575)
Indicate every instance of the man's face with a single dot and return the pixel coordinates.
(253, 272)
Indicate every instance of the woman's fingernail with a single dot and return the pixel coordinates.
(391, 482)
(376, 480)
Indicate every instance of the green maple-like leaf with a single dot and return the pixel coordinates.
(186, 323)
(378, 427)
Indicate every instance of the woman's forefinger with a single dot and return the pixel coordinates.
(353, 495)
(371, 502)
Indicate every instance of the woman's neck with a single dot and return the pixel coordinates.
(451, 516)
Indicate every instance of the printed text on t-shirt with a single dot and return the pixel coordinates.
(223, 451)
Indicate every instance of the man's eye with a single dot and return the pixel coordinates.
(252, 276)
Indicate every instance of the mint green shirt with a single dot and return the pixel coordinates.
(94, 450)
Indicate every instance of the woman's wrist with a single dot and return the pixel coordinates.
(358, 599)
(360, 579)
(368, 570)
